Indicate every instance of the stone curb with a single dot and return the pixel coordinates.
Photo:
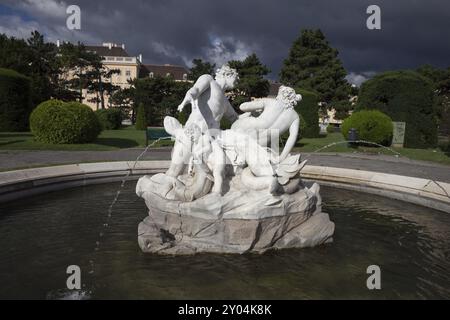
(425, 192)
(22, 183)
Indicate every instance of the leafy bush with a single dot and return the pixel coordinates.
(308, 108)
(184, 115)
(141, 121)
(57, 122)
(110, 119)
(371, 125)
(445, 147)
(15, 101)
(331, 128)
(225, 124)
(404, 96)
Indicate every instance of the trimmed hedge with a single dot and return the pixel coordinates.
(404, 96)
(110, 119)
(15, 101)
(372, 126)
(308, 108)
(141, 118)
(57, 122)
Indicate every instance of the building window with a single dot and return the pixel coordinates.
(151, 74)
(128, 73)
(184, 76)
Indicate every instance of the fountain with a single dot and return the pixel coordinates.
(228, 191)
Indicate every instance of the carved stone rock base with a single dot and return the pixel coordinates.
(238, 222)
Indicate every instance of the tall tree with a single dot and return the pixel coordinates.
(440, 78)
(123, 99)
(251, 82)
(159, 95)
(313, 64)
(14, 54)
(199, 68)
(74, 63)
(99, 82)
(43, 67)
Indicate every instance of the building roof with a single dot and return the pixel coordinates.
(105, 51)
(177, 72)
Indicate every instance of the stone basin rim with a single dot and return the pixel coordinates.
(19, 184)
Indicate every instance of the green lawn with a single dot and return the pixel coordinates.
(108, 140)
(130, 138)
(335, 142)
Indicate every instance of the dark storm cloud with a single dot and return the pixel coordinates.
(413, 32)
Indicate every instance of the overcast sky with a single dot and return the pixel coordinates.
(413, 32)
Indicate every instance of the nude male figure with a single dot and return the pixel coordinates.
(208, 101)
(278, 115)
(209, 105)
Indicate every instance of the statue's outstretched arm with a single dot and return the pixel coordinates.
(254, 105)
(201, 85)
(293, 133)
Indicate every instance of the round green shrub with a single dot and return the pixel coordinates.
(15, 101)
(331, 128)
(371, 125)
(404, 96)
(58, 122)
(110, 119)
(308, 108)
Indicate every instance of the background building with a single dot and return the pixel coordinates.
(114, 57)
(178, 73)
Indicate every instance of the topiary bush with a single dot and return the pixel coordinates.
(141, 119)
(372, 126)
(404, 96)
(15, 101)
(308, 108)
(58, 122)
(110, 119)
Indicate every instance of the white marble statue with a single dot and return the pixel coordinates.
(228, 190)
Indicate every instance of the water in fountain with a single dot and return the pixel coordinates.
(116, 198)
